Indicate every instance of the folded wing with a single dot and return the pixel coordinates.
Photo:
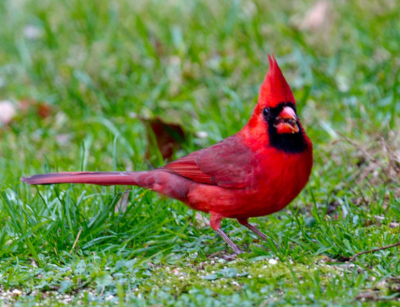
(227, 164)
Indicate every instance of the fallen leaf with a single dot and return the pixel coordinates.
(166, 137)
(43, 110)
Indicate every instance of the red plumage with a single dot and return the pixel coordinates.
(255, 172)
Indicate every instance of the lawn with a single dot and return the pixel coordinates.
(82, 75)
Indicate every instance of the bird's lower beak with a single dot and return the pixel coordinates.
(286, 122)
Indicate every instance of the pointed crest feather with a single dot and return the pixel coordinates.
(274, 89)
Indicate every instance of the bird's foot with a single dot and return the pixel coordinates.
(238, 251)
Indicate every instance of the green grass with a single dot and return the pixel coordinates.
(100, 64)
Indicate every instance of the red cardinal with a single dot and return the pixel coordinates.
(256, 172)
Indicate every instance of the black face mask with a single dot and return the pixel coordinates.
(288, 142)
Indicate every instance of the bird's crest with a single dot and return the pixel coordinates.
(274, 89)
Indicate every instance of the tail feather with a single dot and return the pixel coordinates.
(99, 178)
(158, 180)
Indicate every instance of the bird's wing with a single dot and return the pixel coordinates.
(227, 164)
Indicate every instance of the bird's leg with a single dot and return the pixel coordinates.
(236, 249)
(245, 223)
(215, 222)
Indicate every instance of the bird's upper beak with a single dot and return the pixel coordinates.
(286, 121)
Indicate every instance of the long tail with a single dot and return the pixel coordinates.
(99, 178)
(157, 180)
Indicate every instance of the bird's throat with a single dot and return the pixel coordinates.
(287, 142)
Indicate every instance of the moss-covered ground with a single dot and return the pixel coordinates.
(80, 75)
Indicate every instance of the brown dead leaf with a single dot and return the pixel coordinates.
(167, 137)
(41, 109)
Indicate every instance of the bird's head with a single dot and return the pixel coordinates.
(275, 117)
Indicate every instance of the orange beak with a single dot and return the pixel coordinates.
(286, 122)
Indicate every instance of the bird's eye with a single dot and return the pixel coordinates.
(266, 112)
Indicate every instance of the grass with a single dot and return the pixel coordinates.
(100, 65)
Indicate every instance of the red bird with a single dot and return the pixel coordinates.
(256, 172)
